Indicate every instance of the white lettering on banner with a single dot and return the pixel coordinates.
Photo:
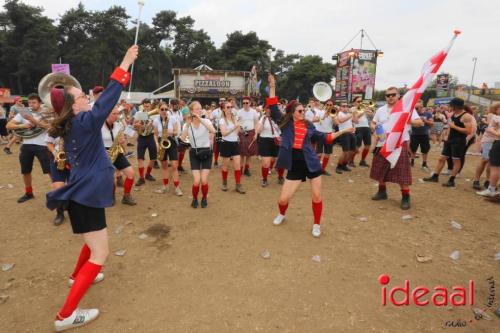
(212, 84)
(365, 55)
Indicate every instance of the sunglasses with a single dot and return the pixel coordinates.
(329, 105)
(163, 109)
(246, 103)
(390, 95)
(300, 111)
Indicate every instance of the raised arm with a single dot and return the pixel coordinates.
(272, 101)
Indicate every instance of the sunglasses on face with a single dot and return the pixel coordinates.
(390, 95)
(163, 109)
(329, 105)
(246, 103)
(300, 111)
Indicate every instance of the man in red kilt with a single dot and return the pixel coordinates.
(381, 169)
(248, 119)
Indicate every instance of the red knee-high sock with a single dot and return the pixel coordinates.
(83, 280)
(141, 172)
(127, 185)
(324, 163)
(224, 175)
(272, 165)
(204, 190)
(237, 176)
(28, 190)
(82, 259)
(265, 172)
(317, 210)
(195, 189)
(165, 181)
(364, 153)
(281, 171)
(282, 207)
(181, 158)
(176, 183)
(148, 170)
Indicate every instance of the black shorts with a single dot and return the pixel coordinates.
(27, 156)
(146, 142)
(422, 141)
(347, 141)
(454, 149)
(495, 154)
(197, 164)
(85, 219)
(299, 170)
(121, 162)
(172, 153)
(363, 136)
(324, 148)
(267, 147)
(3, 127)
(229, 149)
(55, 174)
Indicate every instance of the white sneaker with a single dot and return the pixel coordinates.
(79, 317)
(279, 219)
(178, 191)
(446, 172)
(162, 190)
(316, 232)
(487, 193)
(99, 277)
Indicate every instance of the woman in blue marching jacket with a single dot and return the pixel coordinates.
(297, 155)
(90, 186)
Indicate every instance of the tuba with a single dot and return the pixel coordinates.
(322, 91)
(116, 149)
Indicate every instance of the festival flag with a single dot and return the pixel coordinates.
(398, 125)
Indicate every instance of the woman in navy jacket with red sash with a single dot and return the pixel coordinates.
(297, 155)
(90, 187)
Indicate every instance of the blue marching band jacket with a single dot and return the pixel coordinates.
(91, 178)
(288, 136)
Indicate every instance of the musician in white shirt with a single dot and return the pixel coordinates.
(268, 143)
(363, 132)
(247, 119)
(325, 125)
(346, 119)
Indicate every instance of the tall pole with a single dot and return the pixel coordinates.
(141, 4)
(472, 79)
(349, 95)
(362, 35)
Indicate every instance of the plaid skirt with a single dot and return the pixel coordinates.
(245, 140)
(401, 174)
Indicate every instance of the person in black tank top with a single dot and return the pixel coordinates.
(460, 126)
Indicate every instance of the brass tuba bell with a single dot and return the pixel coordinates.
(55, 80)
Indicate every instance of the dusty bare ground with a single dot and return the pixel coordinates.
(201, 270)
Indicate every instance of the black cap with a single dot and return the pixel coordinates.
(457, 103)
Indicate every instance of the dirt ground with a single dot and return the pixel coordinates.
(202, 271)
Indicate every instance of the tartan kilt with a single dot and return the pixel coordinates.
(245, 141)
(401, 173)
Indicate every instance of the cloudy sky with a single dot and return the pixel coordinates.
(408, 32)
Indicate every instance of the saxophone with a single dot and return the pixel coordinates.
(164, 141)
(116, 149)
(61, 156)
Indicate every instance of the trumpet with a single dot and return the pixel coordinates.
(61, 156)
(365, 106)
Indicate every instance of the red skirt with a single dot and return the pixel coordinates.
(401, 173)
(245, 148)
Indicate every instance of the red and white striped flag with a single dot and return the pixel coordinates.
(398, 125)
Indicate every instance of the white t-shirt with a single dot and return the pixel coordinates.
(229, 126)
(362, 121)
(326, 125)
(311, 113)
(346, 124)
(382, 115)
(106, 133)
(158, 122)
(201, 135)
(177, 117)
(267, 132)
(247, 118)
(37, 140)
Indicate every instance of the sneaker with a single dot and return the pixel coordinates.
(380, 196)
(433, 178)
(345, 168)
(364, 164)
(59, 219)
(162, 190)
(194, 203)
(7, 151)
(140, 182)
(247, 173)
(476, 185)
(425, 168)
(79, 317)
(487, 193)
(264, 183)
(25, 197)
(278, 219)
(486, 184)
(326, 173)
(338, 170)
(178, 192)
(119, 182)
(99, 277)
(204, 203)
(281, 180)
(150, 178)
(128, 200)
(449, 183)
(239, 189)
(446, 172)
(316, 231)
(224, 186)
(155, 166)
(405, 203)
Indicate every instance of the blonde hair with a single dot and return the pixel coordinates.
(494, 107)
(192, 105)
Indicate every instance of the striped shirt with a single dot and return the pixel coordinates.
(300, 130)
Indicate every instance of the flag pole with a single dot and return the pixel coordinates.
(141, 4)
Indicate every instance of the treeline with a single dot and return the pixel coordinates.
(93, 42)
